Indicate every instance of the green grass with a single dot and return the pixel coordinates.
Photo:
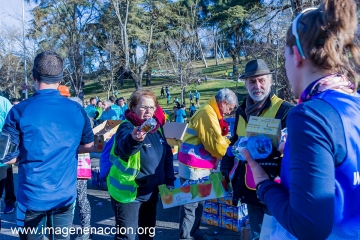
(206, 89)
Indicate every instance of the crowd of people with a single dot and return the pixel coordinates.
(317, 169)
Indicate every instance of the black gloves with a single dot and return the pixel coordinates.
(225, 173)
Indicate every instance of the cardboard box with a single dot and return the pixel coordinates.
(215, 208)
(207, 207)
(206, 218)
(216, 220)
(174, 133)
(211, 189)
(103, 133)
(226, 222)
(269, 127)
(227, 211)
(226, 199)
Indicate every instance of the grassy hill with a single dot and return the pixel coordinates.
(206, 89)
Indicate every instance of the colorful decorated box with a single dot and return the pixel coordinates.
(207, 207)
(226, 222)
(216, 220)
(226, 199)
(103, 132)
(227, 211)
(269, 127)
(211, 189)
(206, 218)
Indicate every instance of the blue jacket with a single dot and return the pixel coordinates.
(48, 129)
(321, 169)
(5, 107)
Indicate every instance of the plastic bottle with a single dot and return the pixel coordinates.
(259, 147)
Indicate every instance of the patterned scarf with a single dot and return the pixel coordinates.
(223, 124)
(336, 81)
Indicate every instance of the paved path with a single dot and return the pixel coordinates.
(103, 216)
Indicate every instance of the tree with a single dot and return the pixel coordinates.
(66, 27)
(138, 21)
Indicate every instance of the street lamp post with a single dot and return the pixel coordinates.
(23, 26)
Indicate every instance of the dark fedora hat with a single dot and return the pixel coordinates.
(256, 68)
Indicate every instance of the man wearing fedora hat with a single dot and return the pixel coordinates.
(260, 101)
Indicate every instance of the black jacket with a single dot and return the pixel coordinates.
(271, 164)
(156, 159)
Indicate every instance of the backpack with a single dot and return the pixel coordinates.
(105, 163)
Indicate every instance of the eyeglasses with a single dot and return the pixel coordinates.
(253, 81)
(294, 30)
(150, 108)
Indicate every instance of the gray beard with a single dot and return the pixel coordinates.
(259, 98)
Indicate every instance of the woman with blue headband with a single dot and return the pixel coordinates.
(319, 193)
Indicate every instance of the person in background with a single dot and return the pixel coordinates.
(190, 96)
(15, 101)
(166, 89)
(47, 142)
(82, 201)
(90, 109)
(204, 144)
(320, 169)
(162, 92)
(192, 109)
(260, 101)
(123, 107)
(180, 115)
(176, 100)
(134, 195)
(168, 97)
(108, 113)
(115, 107)
(99, 108)
(197, 97)
(5, 107)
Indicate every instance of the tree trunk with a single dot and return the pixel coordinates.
(215, 49)
(148, 77)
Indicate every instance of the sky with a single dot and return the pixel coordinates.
(11, 13)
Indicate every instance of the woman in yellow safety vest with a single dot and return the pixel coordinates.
(141, 162)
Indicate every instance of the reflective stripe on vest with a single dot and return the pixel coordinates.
(121, 179)
(269, 113)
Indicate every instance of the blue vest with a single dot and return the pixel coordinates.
(347, 179)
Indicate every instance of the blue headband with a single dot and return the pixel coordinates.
(47, 79)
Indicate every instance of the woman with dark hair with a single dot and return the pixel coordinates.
(319, 194)
(141, 162)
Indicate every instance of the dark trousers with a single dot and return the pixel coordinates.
(10, 198)
(256, 216)
(53, 223)
(135, 218)
(3, 173)
(190, 217)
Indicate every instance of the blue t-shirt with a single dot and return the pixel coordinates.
(48, 128)
(117, 110)
(5, 107)
(180, 115)
(91, 111)
(108, 115)
(197, 95)
(122, 112)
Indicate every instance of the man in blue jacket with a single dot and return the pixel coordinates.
(5, 107)
(47, 142)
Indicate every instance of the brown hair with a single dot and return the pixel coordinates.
(327, 35)
(137, 94)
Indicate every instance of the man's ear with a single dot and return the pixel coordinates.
(297, 56)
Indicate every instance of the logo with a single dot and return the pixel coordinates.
(148, 145)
